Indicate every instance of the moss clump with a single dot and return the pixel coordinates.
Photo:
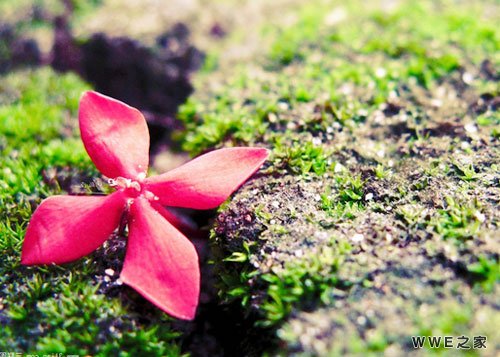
(302, 283)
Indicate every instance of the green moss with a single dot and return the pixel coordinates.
(302, 158)
(347, 69)
(297, 284)
(365, 112)
(301, 283)
(458, 221)
(465, 172)
(453, 319)
(209, 131)
(291, 43)
(344, 200)
(487, 271)
(35, 120)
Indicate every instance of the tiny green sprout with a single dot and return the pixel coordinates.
(488, 272)
(18, 312)
(302, 94)
(410, 214)
(458, 221)
(465, 172)
(304, 158)
(346, 201)
(241, 257)
(435, 167)
(261, 213)
(350, 187)
(279, 229)
(381, 172)
(488, 119)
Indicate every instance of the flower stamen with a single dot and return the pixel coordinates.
(151, 196)
(122, 182)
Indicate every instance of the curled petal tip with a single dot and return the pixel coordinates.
(114, 134)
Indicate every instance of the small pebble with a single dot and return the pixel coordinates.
(436, 102)
(283, 106)
(479, 216)
(467, 78)
(470, 128)
(380, 72)
(335, 16)
(358, 237)
(361, 320)
(464, 145)
(363, 112)
(339, 168)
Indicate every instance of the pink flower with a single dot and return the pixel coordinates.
(160, 262)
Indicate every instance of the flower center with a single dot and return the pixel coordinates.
(133, 189)
(124, 184)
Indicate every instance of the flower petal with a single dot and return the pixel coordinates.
(208, 180)
(161, 263)
(115, 136)
(66, 228)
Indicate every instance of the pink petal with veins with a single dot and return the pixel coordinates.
(208, 180)
(161, 263)
(66, 228)
(115, 136)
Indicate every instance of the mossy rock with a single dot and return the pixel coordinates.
(377, 208)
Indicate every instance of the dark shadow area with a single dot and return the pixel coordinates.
(154, 80)
(17, 51)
